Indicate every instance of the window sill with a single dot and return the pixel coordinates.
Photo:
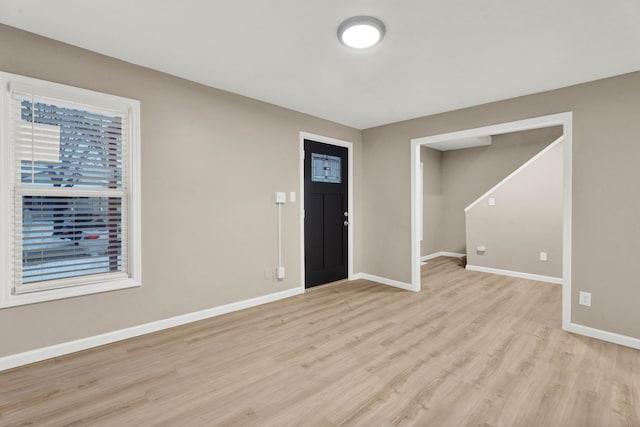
(69, 292)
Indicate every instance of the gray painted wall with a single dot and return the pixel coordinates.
(606, 200)
(432, 197)
(454, 179)
(525, 220)
(211, 162)
(469, 173)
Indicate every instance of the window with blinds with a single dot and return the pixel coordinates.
(69, 189)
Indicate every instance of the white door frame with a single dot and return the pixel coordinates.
(349, 147)
(563, 119)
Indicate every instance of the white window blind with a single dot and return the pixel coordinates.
(71, 189)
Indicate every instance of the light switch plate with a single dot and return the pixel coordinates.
(543, 256)
(281, 197)
(492, 201)
(292, 196)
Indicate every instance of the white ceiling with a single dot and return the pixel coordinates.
(460, 143)
(437, 55)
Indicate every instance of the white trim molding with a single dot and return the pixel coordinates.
(442, 253)
(350, 239)
(530, 276)
(560, 119)
(37, 355)
(384, 281)
(599, 334)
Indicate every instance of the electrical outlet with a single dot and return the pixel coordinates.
(585, 298)
(280, 273)
(492, 201)
(543, 256)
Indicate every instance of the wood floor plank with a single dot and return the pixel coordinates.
(470, 349)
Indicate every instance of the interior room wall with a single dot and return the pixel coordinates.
(468, 173)
(606, 200)
(432, 201)
(211, 163)
(525, 219)
(453, 179)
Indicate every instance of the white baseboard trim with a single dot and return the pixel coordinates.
(37, 355)
(538, 277)
(441, 253)
(604, 335)
(384, 281)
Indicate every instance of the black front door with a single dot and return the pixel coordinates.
(326, 220)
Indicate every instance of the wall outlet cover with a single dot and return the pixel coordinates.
(585, 298)
(492, 201)
(543, 256)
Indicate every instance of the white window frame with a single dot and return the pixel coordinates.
(76, 286)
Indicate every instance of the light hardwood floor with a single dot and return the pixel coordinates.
(470, 349)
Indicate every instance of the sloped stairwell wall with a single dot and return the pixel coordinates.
(523, 219)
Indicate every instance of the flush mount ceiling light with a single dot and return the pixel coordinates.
(361, 31)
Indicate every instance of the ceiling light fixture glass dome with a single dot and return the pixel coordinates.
(361, 32)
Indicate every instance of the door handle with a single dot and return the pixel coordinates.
(346, 223)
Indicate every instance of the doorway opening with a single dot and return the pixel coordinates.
(561, 119)
(326, 209)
